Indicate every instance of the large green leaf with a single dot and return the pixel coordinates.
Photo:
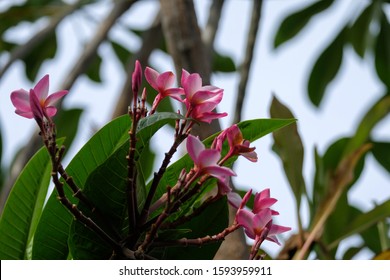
(382, 51)
(106, 187)
(51, 238)
(288, 145)
(360, 34)
(364, 221)
(24, 207)
(67, 122)
(381, 152)
(326, 68)
(295, 22)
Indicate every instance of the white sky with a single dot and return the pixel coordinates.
(283, 72)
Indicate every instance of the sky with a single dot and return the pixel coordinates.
(282, 72)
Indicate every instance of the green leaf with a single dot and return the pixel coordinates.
(51, 238)
(360, 35)
(364, 221)
(382, 51)
(381, 152)
(295, 22)
(107, 185)
(223, 63)
(212, 221)
(288, 145)
(326, 68)
(24, 207)
(379, 110)
(26, 12)
(67, 123)
(46, 49)
(122, 53)
(351, 252)
(93, 71)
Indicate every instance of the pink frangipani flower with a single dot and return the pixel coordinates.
(163, 84)
(237, 144)
(258, 223)
(206, 160)
(200, 100)
(36, 103)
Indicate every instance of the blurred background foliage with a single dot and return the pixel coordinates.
(331, 217)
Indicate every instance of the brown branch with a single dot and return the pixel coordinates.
(186, 47)
(246, 65)
(210, 31)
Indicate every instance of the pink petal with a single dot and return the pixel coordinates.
(263, 203)
(165, 80)
(209, 157)
(245, 218)
(276, 229)
(184, 77)
(207, 96)
(218, 171)
(252, 156)
(36, 107)
(192, 84)
(273, 239)
(41, 89)
(208, 117)
(194, 148)
(21, 100)
(54, 97)
(28, 115)
(234, 199)
(261, 219)
(266, 193)
(51, 111)
(175, 93)
(136, 78)
(245, 198)
(151, 76)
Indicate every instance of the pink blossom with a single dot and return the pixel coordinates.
(163, 84)
(206, 160)
(200, 100)
(136, 78)
(258, 223)
(237, 144)
(36, 103)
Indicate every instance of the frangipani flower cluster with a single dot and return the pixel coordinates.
(160, 211)
(258, 223)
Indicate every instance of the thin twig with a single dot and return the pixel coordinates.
(246, 65)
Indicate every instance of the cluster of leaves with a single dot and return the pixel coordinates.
(342, 163)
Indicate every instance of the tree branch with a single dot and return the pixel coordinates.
(246, 65)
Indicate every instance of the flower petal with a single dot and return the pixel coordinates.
(41, 89)
(36, 107)
(234, 199)
(175, 93)
(261, 219)
(54, 97)
(151, 76)
(209, 157)
(165, 80)
(192, 84)
(194, 148)
(218, 171)
(21, 100)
